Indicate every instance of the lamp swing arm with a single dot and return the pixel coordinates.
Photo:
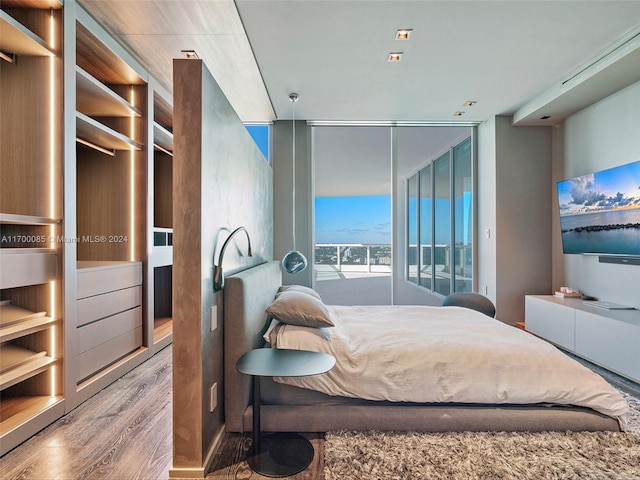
(218, 274)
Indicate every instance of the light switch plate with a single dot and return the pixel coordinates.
(213, 397)
(213, 317)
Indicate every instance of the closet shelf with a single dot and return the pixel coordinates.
(95, 99)
(20, 409)
(96, 133)
(13, 219)
(19, 40)
(18, 364)
(162, 138)
(16, 322)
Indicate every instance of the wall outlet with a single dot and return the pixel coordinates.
(213, 397)
(213, 317)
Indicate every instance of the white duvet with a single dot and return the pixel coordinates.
(444, 354)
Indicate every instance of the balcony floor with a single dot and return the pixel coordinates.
(352, 288)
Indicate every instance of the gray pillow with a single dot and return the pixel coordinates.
(299, 288)
(299, 308)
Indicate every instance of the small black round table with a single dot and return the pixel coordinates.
(279, 454)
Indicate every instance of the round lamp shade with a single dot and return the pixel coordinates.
(294, 262)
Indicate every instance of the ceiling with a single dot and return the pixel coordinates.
(511, 57)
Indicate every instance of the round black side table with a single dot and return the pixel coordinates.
(279, 454)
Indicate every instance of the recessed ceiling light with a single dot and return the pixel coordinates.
(395, 56)
(403, 33)
(470, 103)
(190, 54)
(458, 114)
(545, 117)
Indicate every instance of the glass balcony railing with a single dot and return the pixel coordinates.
(355, 257)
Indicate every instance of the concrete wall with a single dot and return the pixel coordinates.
(604, 135)
(523, 216)
(220, 181)
(486, 209)
(514, 214)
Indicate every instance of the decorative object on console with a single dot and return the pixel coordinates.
(294, 261)
(566, 292)
(218, 275)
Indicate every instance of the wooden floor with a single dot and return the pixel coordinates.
(124, 432)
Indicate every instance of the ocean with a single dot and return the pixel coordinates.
(621, 241)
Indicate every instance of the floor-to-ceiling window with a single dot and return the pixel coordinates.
(425, 184)
(463, 216)
(444, 219)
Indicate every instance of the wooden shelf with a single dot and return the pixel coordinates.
(162, 327)
(16, 322)
(16, 411)
(94, 132)
(10, 218)
(162, 138)
(19, 40)
(95, 99)
(18, 364)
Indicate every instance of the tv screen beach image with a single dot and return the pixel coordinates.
(600, 212)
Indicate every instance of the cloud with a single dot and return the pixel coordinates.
(585, 194)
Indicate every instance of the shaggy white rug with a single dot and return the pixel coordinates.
(485, 455)
(482, 456)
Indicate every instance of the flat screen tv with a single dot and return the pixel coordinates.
(600, 212)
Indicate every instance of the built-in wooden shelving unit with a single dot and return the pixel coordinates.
(111, 123)
(31, 344)
(85, 296)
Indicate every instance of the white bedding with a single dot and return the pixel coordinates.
(444, 354)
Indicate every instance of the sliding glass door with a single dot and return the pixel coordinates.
(352, 211)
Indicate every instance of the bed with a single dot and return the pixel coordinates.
(301, 408)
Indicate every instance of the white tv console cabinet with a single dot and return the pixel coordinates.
(609, 338)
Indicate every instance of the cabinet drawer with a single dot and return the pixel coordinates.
(551, 321)
(97, 333)
(105, 354)
(95, 278)
(100, 306)
(607, 342)
(27, 266)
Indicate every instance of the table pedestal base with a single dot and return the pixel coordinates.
(281, 455)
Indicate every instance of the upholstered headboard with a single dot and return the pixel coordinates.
(246, 296)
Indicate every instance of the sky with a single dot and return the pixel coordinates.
(363, 219)
(611, 189)
(260, 135)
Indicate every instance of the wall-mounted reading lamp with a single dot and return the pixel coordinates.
(218, 275)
